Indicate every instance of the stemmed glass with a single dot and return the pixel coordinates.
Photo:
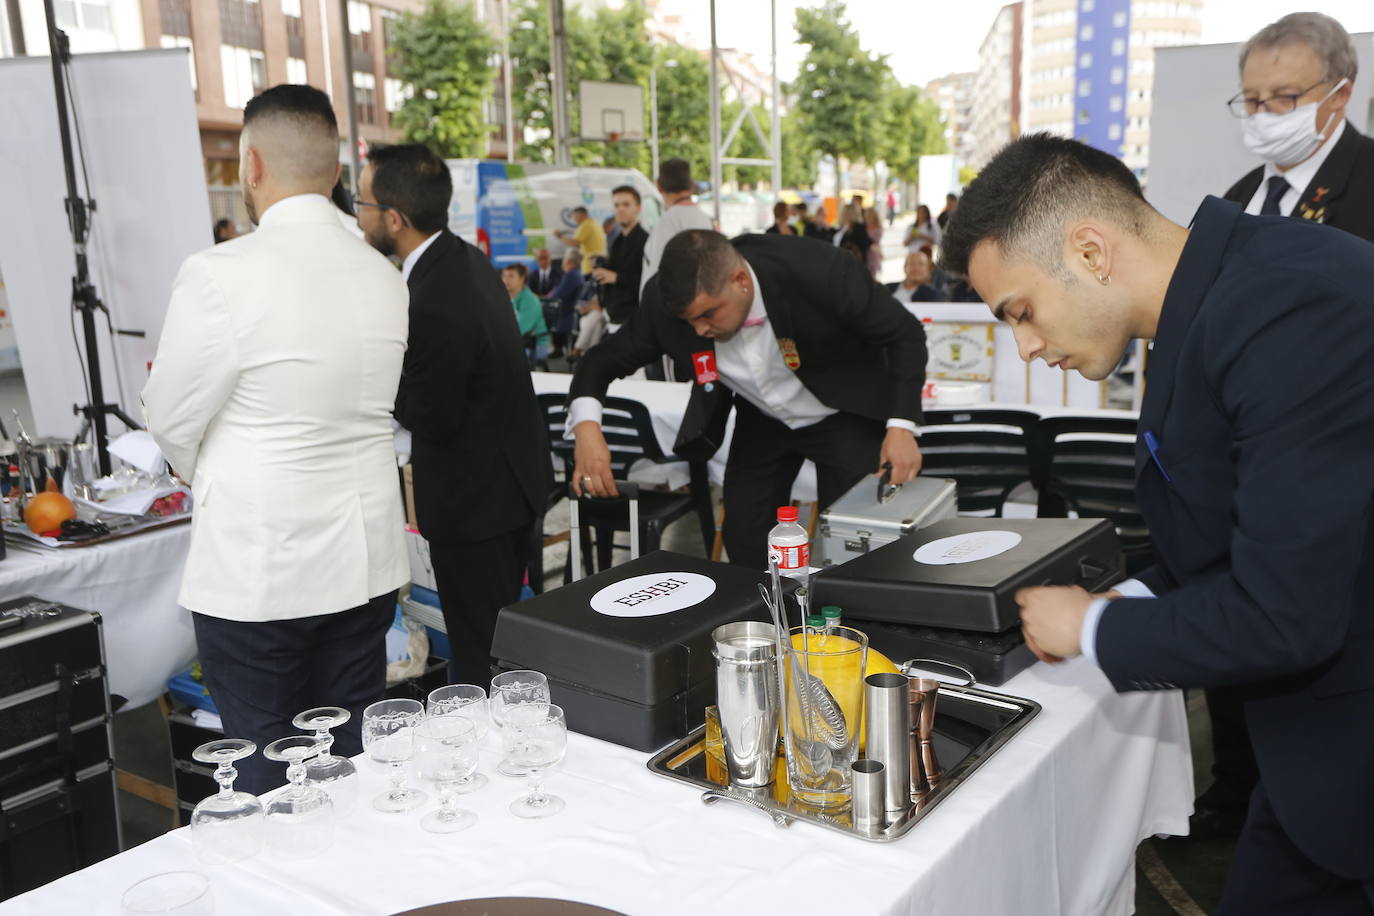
(389, 737)
(336, 775)
(470, 702)
(540, 742)
(447, 754)
(228, 826)
(300, 820)
(510, 689)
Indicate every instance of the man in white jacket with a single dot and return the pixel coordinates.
(271, 394)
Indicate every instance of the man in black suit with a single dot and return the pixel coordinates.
(619, 279)
(818, 360)
(545, 274)
(1253, 472)
(479, 448)
(1296, 77)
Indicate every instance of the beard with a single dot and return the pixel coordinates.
(381, 240)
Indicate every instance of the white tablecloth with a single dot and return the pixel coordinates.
(1047, 827)
(132, 583)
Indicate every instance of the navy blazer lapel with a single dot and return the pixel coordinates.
(1193, 277)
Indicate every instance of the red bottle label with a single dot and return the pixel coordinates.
(790, 558)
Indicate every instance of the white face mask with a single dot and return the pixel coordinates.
(1287, 139)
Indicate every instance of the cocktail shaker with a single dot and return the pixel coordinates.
(747, 697)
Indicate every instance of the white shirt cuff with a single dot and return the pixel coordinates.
(1134, 588)
(1087, 636)
(581, 409)
(898, 423)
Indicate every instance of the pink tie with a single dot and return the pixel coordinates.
(755, 322)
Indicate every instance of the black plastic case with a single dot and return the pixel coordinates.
(889, 585)
(635, 681)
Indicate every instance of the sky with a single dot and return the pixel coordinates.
(924, 41)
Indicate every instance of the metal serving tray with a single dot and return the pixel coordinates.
(970, 726)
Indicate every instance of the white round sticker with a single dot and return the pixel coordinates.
(966, 548)
(652, 595)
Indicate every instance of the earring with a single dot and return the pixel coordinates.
(1104, 279)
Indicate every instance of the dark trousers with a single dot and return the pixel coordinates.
(1271, 875)
(475, 581)
(765, 456)
(1234, 771)
(261, 675)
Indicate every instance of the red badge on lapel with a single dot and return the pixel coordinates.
(704, 365)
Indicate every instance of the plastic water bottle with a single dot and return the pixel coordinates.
(789, 547)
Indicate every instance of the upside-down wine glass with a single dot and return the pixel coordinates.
(300, 820)
(227, 826)
(336, 775)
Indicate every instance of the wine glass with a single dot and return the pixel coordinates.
(336, 775)
(300, 820)
(510, 689)
(389, 737)
(182, 893)
(446, 750)
(542, 742)
(470, 702)
(228, 826)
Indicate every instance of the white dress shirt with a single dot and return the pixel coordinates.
(751, 365)
(1298, 177)
(414, 257)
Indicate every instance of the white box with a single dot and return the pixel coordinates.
(421, 568)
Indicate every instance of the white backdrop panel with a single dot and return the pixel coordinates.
(1195, 144)
(138, 122)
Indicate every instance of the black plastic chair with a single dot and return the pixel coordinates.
(629, 433)
(985, 451)
(1087, 465)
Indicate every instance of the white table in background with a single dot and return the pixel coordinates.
(1047, 827)
(132, 583)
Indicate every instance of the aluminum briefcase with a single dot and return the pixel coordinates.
(872, 514)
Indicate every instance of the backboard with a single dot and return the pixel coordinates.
(611, 111)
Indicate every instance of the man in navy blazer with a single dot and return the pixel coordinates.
(1254, 471)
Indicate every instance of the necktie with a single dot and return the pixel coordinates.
(755, 322)
(1278, 186)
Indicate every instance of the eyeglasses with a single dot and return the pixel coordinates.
(365, 203)
(1243, 106)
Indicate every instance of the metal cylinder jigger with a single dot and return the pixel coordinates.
(868, 778)
(925, 768)
(889, 734)
(747, 697)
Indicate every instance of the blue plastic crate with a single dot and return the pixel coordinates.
(188, 690)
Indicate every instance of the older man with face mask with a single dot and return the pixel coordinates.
(1253, 472)
(1296, 77)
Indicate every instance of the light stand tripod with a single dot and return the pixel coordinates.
(84, 297)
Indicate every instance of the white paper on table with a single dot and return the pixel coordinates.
(139, 449)
(135, 502)
(207, 719)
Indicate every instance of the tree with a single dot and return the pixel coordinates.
(444, 54)
(799, 155)
(840, 87)
(684, 107)
(911, 129)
